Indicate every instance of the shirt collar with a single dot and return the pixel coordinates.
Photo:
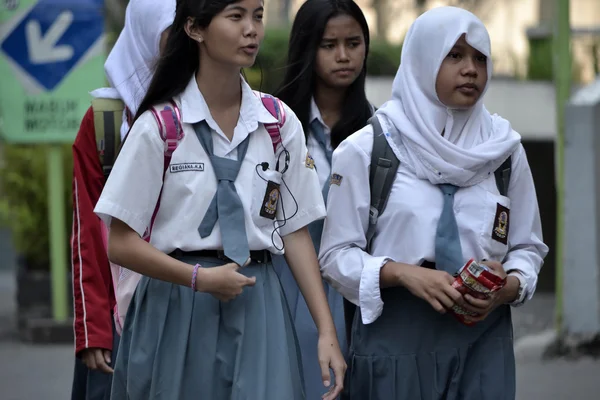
(194, 108)
(316, 114)
(257, 109)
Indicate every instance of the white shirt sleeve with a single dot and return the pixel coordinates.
(132, 189)
(344, 262)
(527, 250)
(301, 195)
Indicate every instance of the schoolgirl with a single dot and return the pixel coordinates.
(324, 85)
(128, 69)
(209, 319)
(445, 207)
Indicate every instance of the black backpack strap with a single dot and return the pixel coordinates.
(502, 175)
(108, 117)
(382, 173)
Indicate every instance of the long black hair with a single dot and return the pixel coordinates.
(181, 55)
(299, 83)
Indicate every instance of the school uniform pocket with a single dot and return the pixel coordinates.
(496, 226)
(265, 197)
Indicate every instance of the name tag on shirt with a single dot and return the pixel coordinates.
(182, 167)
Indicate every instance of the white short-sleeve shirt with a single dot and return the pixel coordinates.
(136, 181)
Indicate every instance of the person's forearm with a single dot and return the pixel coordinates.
(302, 259)
(392, 273)
(388, 275)
(510, 291)
(126, 248)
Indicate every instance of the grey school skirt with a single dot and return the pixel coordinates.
(413, 353)
(181, 345)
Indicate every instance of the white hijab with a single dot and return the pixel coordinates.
(130, 64)
(475, 143)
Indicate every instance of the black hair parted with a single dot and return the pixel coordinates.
(181, 55)
(299, 82)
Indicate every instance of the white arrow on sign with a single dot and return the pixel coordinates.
(43, 49)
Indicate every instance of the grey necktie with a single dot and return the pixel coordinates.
(226, 205)
(448, 252)
(316, 128)
(316, 228)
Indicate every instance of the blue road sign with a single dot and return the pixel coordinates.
(53, 37)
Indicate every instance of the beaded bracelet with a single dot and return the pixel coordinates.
(194, 275)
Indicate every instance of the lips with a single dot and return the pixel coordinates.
(344, 72)
(251, 48)
(469, 86)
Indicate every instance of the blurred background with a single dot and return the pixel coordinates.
(546, 56)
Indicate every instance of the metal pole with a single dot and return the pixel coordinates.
(562, 80)
(57, 229)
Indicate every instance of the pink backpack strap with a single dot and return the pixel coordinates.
(171, 131)
(275, 108)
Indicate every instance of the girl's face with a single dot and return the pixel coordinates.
(234, 35)
(341, 54)
(462, 76)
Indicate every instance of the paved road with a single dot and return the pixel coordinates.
(35, 372)
(29, 372)
(559, 380)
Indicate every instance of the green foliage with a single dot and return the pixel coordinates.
(384, 58)
(539, 65)
(24, 201)
(254, 77)
(269, 70)
(595, 52)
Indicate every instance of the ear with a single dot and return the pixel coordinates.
(193, 30)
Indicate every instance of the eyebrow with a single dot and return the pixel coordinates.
(462, 47)
(240, 8)
(349, 38)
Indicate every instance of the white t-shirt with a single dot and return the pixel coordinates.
(133, 188)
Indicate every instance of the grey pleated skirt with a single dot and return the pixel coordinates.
(308, 335)
(304, 324)
(413, 353)
(180, 345)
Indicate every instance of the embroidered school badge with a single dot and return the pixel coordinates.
(336, 179)
(501, 224)
(270, 200)
(309, 162)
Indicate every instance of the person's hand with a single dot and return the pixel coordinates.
(330, 357)
(223, 282)
(431, 285)
(97, 359)
(483, 307)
